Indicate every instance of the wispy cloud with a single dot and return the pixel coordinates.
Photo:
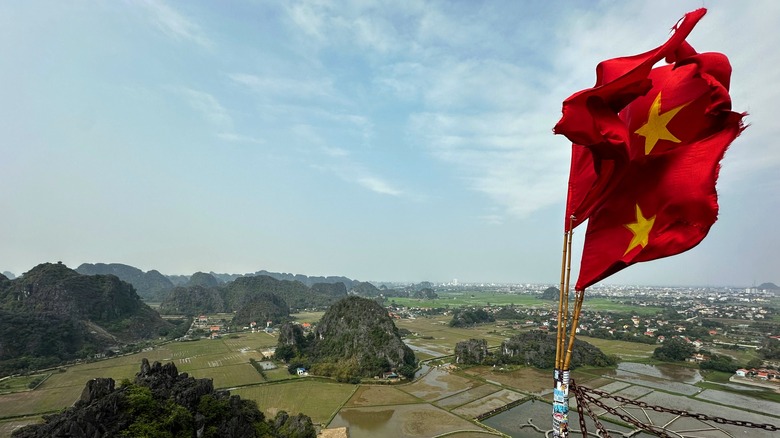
(488, 120)
(492, 219)
(335, 151)
(285, 87)
(208, 106)
(378, 185)
(365, 24)
(174, 24)
(238, 138)
(215, 114)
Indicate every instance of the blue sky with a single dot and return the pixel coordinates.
(399, 141)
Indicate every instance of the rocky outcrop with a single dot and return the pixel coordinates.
(365, 289)
(472, 351)
(203, 279)
(262, 307)
(207, 297)
(163, 402)
(151, 285)
(360, 329)
(338, 290)
(53, 313)
(291, 334)
(538, 349)
(193, 300)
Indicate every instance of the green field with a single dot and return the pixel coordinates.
(473, 299)
(317, 398)
(607, 305)
(434, 335)
(481, 298)
(21, 383)
(226, 361)
(307, 316)
(631, 351)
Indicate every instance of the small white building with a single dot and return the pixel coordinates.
(741, 372)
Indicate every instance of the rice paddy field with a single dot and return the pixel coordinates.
(441, 401)
(630, 351)
(226, 360)
(319, 399)
(461, 299)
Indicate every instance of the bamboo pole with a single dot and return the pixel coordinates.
(560, 332)
(560, 416)
(566, 296)
(580, 294)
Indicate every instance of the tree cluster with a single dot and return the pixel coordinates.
(674, 350)
(470, 317)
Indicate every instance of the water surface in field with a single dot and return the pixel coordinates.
(665, 377)
(519, 422)
(663, 371)
(400, 421)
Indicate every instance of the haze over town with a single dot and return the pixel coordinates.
(372, 140)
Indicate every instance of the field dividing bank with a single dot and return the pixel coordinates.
(318, 399)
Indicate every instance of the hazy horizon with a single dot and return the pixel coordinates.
(606, 283)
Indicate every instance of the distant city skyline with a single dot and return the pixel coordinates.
(374, 140)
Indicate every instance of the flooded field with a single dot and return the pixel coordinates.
(467, 396)
(731, 399)
(438, 384)
(663, 371)
(400, 421)
(532, 419)
(642, 382)
(664, 377)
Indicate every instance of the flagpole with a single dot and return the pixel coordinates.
(560, 415)
(566, 292)
(579, 295)
(559, 336)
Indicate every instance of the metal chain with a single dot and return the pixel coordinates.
(583, 426)
(701, 417)
(580, 395)
(627, 418)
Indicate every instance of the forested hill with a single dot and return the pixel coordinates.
(154, 286)
(234, 296)
(53, 313)
(180, 280)
(151, 285)
(355, 338)
(307, 280)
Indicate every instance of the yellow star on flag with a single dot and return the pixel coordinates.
(641, 230)
(655, 129)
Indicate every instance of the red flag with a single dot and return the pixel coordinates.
(600, 153)
(666, 201)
